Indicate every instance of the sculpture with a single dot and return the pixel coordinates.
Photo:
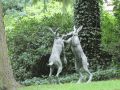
(54, 60)
(78, 52)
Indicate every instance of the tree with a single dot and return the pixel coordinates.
(87, 13)
(7, 81)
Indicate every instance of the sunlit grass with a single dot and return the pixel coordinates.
(102, 85)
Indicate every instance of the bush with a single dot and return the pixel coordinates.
(35, 81)
(30, 43)
(12, 4)
(111, 37)
(112, 73)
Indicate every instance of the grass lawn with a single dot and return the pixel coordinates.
(101, 85)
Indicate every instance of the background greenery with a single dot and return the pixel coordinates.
(30, 42)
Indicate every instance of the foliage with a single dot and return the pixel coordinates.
(30, 40)
(35, 81)
(87, 13)
(111, 73)
(116, 44)
(117, 9)
(111, 37)
(12, 4)
(20, 4)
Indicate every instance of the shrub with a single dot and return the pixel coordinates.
(111, 37)
(112, 73)
(30, 43)
(12, 4)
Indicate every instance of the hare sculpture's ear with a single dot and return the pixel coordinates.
(75, 30)
(51, 30)
(56, 31)
(79, 29)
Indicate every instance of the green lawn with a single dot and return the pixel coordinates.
(101, 85)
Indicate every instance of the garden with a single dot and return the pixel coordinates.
(31, 27)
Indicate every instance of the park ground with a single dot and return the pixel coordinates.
(99, 85)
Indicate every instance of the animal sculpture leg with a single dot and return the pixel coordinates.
(58, 72)
(50, 74)
(77, 67)
(85, 67)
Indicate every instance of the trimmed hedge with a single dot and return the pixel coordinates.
(72, 78)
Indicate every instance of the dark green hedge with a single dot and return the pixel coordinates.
(30, 43)
(107, 74)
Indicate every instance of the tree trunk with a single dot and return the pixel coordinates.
(7, 81)
(87, 13)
